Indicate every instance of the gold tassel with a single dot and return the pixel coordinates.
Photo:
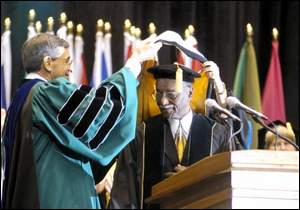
(179, 79)
(289, 127)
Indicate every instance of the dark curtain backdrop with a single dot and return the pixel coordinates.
(219, 29)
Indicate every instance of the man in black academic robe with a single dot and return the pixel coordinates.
(153, 155)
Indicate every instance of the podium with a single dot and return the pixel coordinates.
(238, 179)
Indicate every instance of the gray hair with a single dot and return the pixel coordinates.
(35, 49)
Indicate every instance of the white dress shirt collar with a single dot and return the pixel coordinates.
(186, 122)
(35, 76)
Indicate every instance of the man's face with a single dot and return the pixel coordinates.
(60, 66)
(172, 104)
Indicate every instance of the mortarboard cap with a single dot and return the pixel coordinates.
(263, 131)
(169, 72)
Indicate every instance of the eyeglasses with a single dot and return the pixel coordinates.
(170, 95)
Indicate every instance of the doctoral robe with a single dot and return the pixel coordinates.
(68, 126)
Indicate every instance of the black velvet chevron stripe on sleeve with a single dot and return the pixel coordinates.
(72, 103)
(111, 119)
(91, 113)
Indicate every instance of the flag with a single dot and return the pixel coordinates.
(62, 32)
(3, 95)
(107, 56)
(128, 44)
(31, 32)
(273, 96)
(96, 75)
(79, 62)
(102, 63)
(6, 69)
(246, 83)
(70, 40)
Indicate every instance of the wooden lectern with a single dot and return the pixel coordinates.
(238, 179)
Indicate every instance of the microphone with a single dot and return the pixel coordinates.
(212, 104)
(233, 102)
(209, 88)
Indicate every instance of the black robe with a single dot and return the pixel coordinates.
(144, 161)
(20, 183)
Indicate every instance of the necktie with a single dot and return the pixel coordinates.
(180, 142)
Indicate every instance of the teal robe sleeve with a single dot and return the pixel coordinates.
(96, 123)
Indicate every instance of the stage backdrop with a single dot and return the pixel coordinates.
(219, 29)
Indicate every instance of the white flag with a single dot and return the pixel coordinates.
(70, 40)
(5, 69)
(80, 72)
(107, 53)
(129, 41)
(62, 32)
(31, 32)
(99, 46)
(127, 44)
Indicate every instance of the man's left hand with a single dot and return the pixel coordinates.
(211, 69)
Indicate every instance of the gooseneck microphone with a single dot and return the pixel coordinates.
(212, 104)
(233, 102)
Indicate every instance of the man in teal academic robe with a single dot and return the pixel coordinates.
(59, 127)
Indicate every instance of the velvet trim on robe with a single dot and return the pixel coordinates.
(67, 134)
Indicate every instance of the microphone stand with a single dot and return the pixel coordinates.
(230, 124)
(232, 135)
(258, 120)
